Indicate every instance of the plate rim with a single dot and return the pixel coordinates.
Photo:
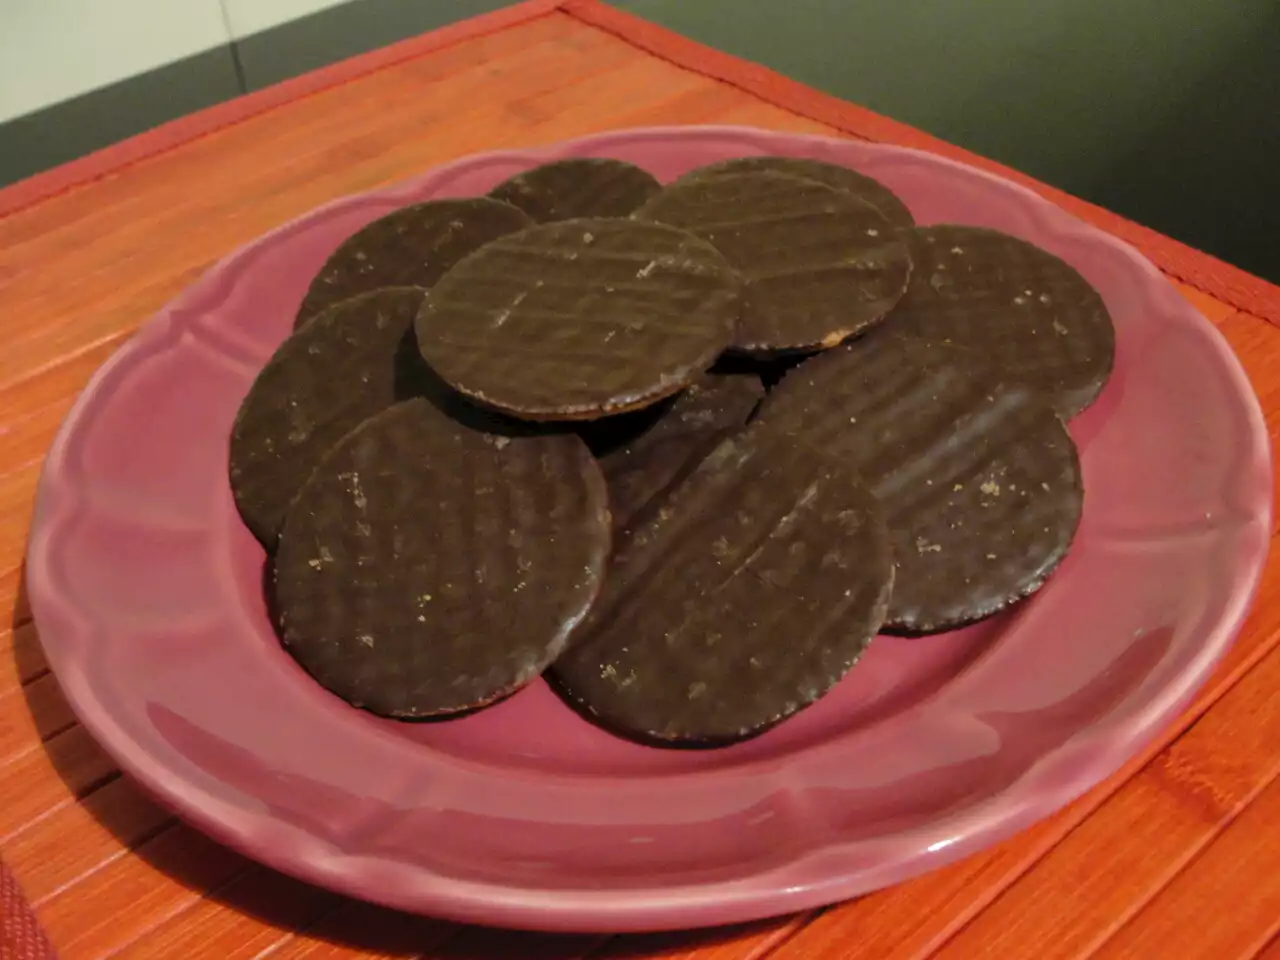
(761, 894)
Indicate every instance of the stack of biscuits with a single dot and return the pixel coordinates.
(685, 450)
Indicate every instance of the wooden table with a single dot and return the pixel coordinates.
(1177, 856)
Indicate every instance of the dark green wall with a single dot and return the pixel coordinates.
(1167, 111)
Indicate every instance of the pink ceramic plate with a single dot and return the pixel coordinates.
(147, 591)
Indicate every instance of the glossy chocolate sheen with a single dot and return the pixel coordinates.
(745, 598)
(413, 246)
(580, 319)
(426, 569)
(980, 484)
(353, 361)
(654, 449)
(820, 265)
(844, 179)
(578, 187)
(1034, 315)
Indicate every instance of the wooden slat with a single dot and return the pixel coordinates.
(35, 407)
(43, 780)
(243, 919)
(31, 715)
(1271, 950)
(130, 896)
(1120, 857)
(32, 707)
(1224, 906)
(79, 838)
(17, 491)
(21, 658)
(13, 596)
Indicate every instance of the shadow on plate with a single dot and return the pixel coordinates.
(194, 868)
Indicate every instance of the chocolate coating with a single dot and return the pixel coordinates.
(578, 187)
(980, 484)
(413, 247)
(745, 598)
(654, 449)
(844, 179)
(427, 569)
(820, 265)
(1039, 321)
(353, 361)
(578, 319)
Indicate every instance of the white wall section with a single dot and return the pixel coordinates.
(52, 50)
(246, 17)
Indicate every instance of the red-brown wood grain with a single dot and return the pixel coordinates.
(131, 895)
(1271, 950)
(38, 782)
(1173, 857)
(76, 839)
(1128, 850)
(21, 659)
(1224, 904)
(263, 903)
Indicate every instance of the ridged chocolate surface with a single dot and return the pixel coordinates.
(578, 187)
(980, 485)
(412, 247)
(654, 449)
(819, 265)
(582, 318)
(1038, 320)
(868, 189)
(745, 598)
(353, 361)
(426, 569)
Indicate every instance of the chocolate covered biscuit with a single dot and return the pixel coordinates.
(980, 483)
(844, 179)
(744, 598)
(578, 187)
(1033, 315)
(579, 319)
(351, 362)
(649, 452)
(819, 265)
(426, 568)
(413, 246)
